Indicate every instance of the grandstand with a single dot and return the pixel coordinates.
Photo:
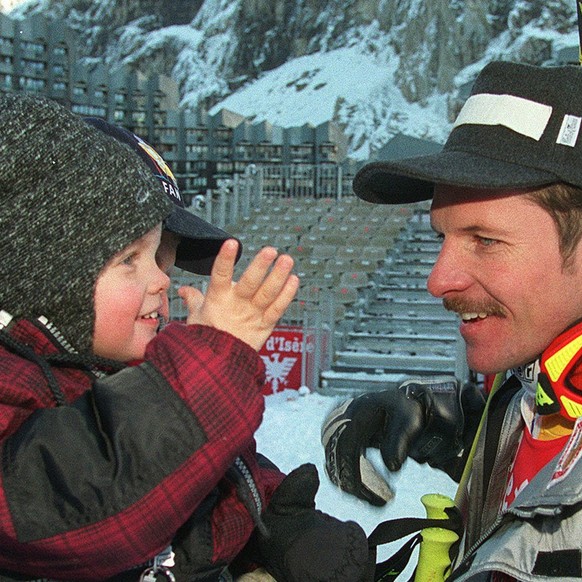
(363, 272)
(400, 329)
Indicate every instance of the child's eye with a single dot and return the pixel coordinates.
(129, 259)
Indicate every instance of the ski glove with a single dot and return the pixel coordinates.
(302, 544)
(423, 418)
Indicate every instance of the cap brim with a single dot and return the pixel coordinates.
(200, 241)
(413, 179)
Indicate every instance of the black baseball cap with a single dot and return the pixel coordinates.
(200, 241)
(517, 130)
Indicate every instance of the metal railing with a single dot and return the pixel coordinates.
(236, 196)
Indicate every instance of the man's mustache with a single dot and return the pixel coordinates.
(459, 305)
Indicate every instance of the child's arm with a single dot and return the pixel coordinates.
(117, 473)
(250, 308)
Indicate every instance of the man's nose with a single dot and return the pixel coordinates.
(447, 275)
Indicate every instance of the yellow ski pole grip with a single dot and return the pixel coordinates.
(433, 557)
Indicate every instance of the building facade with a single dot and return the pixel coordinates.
(41, 56)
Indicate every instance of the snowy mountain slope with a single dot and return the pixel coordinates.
(346, 85)
(378, 67)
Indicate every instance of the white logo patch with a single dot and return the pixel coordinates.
(569, 130)
(523, 116)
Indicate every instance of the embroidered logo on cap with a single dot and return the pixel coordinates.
(168, 179)
(569, 130)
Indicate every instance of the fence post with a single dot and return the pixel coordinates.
(259, 189)
(208, 206)
(222, 201)
(234, 200)
(304, 351)
(329, 303)
(249, 186)
(317, 352)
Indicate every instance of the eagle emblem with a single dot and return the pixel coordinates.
(278, 370)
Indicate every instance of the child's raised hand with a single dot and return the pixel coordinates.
(250, 308)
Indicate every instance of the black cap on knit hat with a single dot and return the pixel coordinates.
(70, 199)
(520, 128)
(200, 241)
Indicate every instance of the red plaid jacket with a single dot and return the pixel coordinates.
(132, 462)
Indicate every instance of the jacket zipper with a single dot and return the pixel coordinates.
(56, 334)
(246, 473)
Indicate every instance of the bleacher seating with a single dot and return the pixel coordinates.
(366, 270)
(329, 239)
(401, 329)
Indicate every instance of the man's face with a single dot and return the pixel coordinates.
(501, 270)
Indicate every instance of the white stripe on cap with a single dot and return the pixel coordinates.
(521, 115)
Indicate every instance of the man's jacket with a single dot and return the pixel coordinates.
(539, 536)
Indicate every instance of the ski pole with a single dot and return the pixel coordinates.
(433, 557)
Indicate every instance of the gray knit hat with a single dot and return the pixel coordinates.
(70, 198)
(519, 129)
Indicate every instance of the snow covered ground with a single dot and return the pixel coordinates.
(290, 436)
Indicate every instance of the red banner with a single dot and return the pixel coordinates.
(282, 354)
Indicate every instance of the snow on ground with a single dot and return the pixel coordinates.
(290, 435)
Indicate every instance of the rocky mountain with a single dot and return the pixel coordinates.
(216, 49)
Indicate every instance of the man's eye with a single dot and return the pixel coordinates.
(486, 242)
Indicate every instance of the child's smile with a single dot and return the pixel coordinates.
(130, 299)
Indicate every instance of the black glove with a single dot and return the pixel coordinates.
(423, 418)
(302, 544)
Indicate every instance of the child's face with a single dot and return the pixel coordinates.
(130, 295)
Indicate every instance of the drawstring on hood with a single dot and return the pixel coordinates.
(29, 354)
(68, 359)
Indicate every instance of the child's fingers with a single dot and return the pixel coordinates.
(193, 300)
(278, 307)
(223, 267)
(254, 275)
(274, 282)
